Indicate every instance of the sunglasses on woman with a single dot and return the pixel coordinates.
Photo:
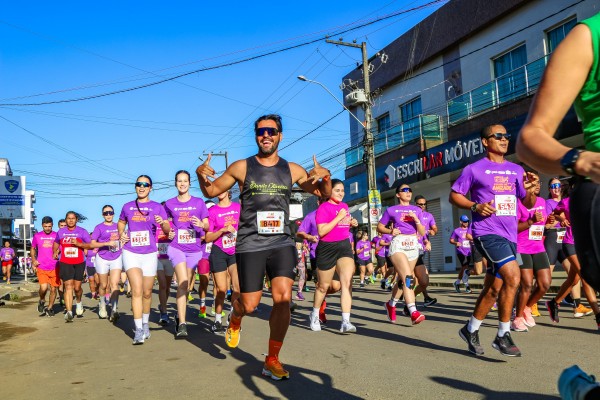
(406, 190)
(142, 184)
(106, 213)
(555, 186)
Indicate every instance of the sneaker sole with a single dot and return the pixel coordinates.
(137, 343)
(505, 354)
(467, 342)
(420, 319)
(268, 373)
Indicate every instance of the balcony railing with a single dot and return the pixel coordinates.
(425, 126)
(514, 85)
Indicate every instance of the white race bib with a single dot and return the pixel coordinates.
(270, 222)
(186, 236)
(560, 236)
(162, 248)
(408, 242)
(208, 248)
(536, 232)
(506, 205)
(71, 252)
(229, 240)
(139, 238)
(466, 244)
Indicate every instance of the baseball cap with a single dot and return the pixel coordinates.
(464, 218)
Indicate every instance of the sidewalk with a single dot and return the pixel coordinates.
(18, 288)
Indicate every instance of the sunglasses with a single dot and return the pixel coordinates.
(142, 184)
(499, 136)
(555, 186)
(268, 130)
(405, 190)
(105, 213)
(421, 204)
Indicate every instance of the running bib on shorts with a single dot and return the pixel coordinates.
(139, 238)
(269, 222)
(229, 240)
(408, 242)
(71, 252)
(560, 235)
(162, 248)
(536, 232)
(506, 205)
(186, 236)
(466, 244)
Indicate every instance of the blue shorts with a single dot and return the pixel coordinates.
(497, 251)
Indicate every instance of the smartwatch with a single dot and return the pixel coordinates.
(474, 207)
(567, 162)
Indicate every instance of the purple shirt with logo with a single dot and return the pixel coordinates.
(531, 241)
(107, 233)
(220, 217)
(141, 225)
(550, 206)
(187, 236)
(365, 253)
(399, 215)
(460, 235)
(501, 183)
(309, 226)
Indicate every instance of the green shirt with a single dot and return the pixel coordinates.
(587, 103)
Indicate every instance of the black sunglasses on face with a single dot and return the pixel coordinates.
(421, 204)
(268, 130)
(105, 213)
(499, 136)
(142, 184)
(406, 190)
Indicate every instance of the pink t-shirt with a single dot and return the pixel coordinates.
(220, 217)
(531, 241)
(563, 206)
(327, 213)
(43, 244)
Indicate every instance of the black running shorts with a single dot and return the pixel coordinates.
(70, 272)
(252, 266)
(328, 253)
(536, 261)
(585, 218)
(219, 260)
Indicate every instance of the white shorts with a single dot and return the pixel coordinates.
(148, 263)
(398, 245)
(104, 266)
(164, 264)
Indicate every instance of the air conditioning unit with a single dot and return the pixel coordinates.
(356, 98)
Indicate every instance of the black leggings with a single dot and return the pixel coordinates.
(585, 219)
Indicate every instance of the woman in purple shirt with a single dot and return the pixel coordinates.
(334, 254)
(189, 216)
(142, 217)
(364, 256)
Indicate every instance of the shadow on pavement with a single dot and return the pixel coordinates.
(490, 394)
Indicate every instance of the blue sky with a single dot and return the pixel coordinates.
(81, 155)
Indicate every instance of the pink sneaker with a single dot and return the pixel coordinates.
(299, 296)
(391, 312)
(529, 321)
(518, 325)
(416, 317)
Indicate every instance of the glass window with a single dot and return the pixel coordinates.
(411, 109)
(510, 78)
(383, 123)
(556, 35)
(510, 61)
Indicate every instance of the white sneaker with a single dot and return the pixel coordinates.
(347, 327)
(79, 309)
(315, 325)
(101, 311)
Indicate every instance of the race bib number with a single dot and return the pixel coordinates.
(140, 238)
(536, 232)
(208, 248)
(366, 253)
(408, 242)
(465, 244)
(162, 248)
(7, 257)
(506, 205)
(560, 236)
(229, 240)
(71, 252)
(186, 236)
(269, 222)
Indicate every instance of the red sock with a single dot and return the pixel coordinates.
(274, 347)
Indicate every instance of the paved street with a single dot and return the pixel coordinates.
(90, 358)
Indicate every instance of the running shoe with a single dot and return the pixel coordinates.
(128, 295)
(138, 337)
(529, 321)
(3, 278)
(534, 311)
(102, 311)
(495, 307)
(429, 301)
(299, 296)
(146, 329)
(371, 279)
(362, 284)
(49, 312)
(212, 312)
(456, 286)
(383, 284)
(574, 384)
(114, 317)
(79, 309)
(468, 289)
(406, 311)
(228, 296)
(292, 307)
(69, 316)
(506, 346)
(306, 289)
(315, 325)
(581, 311)
(164, 319)
(41, 308)
(322, 316)
(347, 327)
(391, 312)
(598, 320)
(274, 369)
(190, 298)
(202, 313)
(472, 340)
(232, 337)
(181, 331)
(121, 287)
(416, 318)
(568, 301)
(217, 328)
(552, 310)
(518, 325)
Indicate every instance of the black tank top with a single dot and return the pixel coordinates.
(265, 199)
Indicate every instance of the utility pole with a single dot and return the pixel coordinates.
(224, 154)
(374, 197)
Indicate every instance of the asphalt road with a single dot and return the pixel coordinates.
(44, 357)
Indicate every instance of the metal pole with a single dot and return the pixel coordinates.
(24, 229)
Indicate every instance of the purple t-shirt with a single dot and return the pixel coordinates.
(326, 213)
(89, 257)
(365, 253)
(309, 226)
(187, 236)
(460, 235)
(563, 206)
(162, 242)
(44, 246)
(550, 206)
(65, 237)
(220, 217)
(107, 233)
(500, 182)
(141, 225)
(399, 215)
(7, 254)
(531, 241)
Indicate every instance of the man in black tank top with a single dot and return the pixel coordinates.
(264, 241)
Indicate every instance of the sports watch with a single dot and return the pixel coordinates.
(567, 162)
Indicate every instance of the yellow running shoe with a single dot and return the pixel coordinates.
(534, 311)
(274, 369)
(581, 310)
(495, 307)
(190, 298)
(232, 337)
(202, 313)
